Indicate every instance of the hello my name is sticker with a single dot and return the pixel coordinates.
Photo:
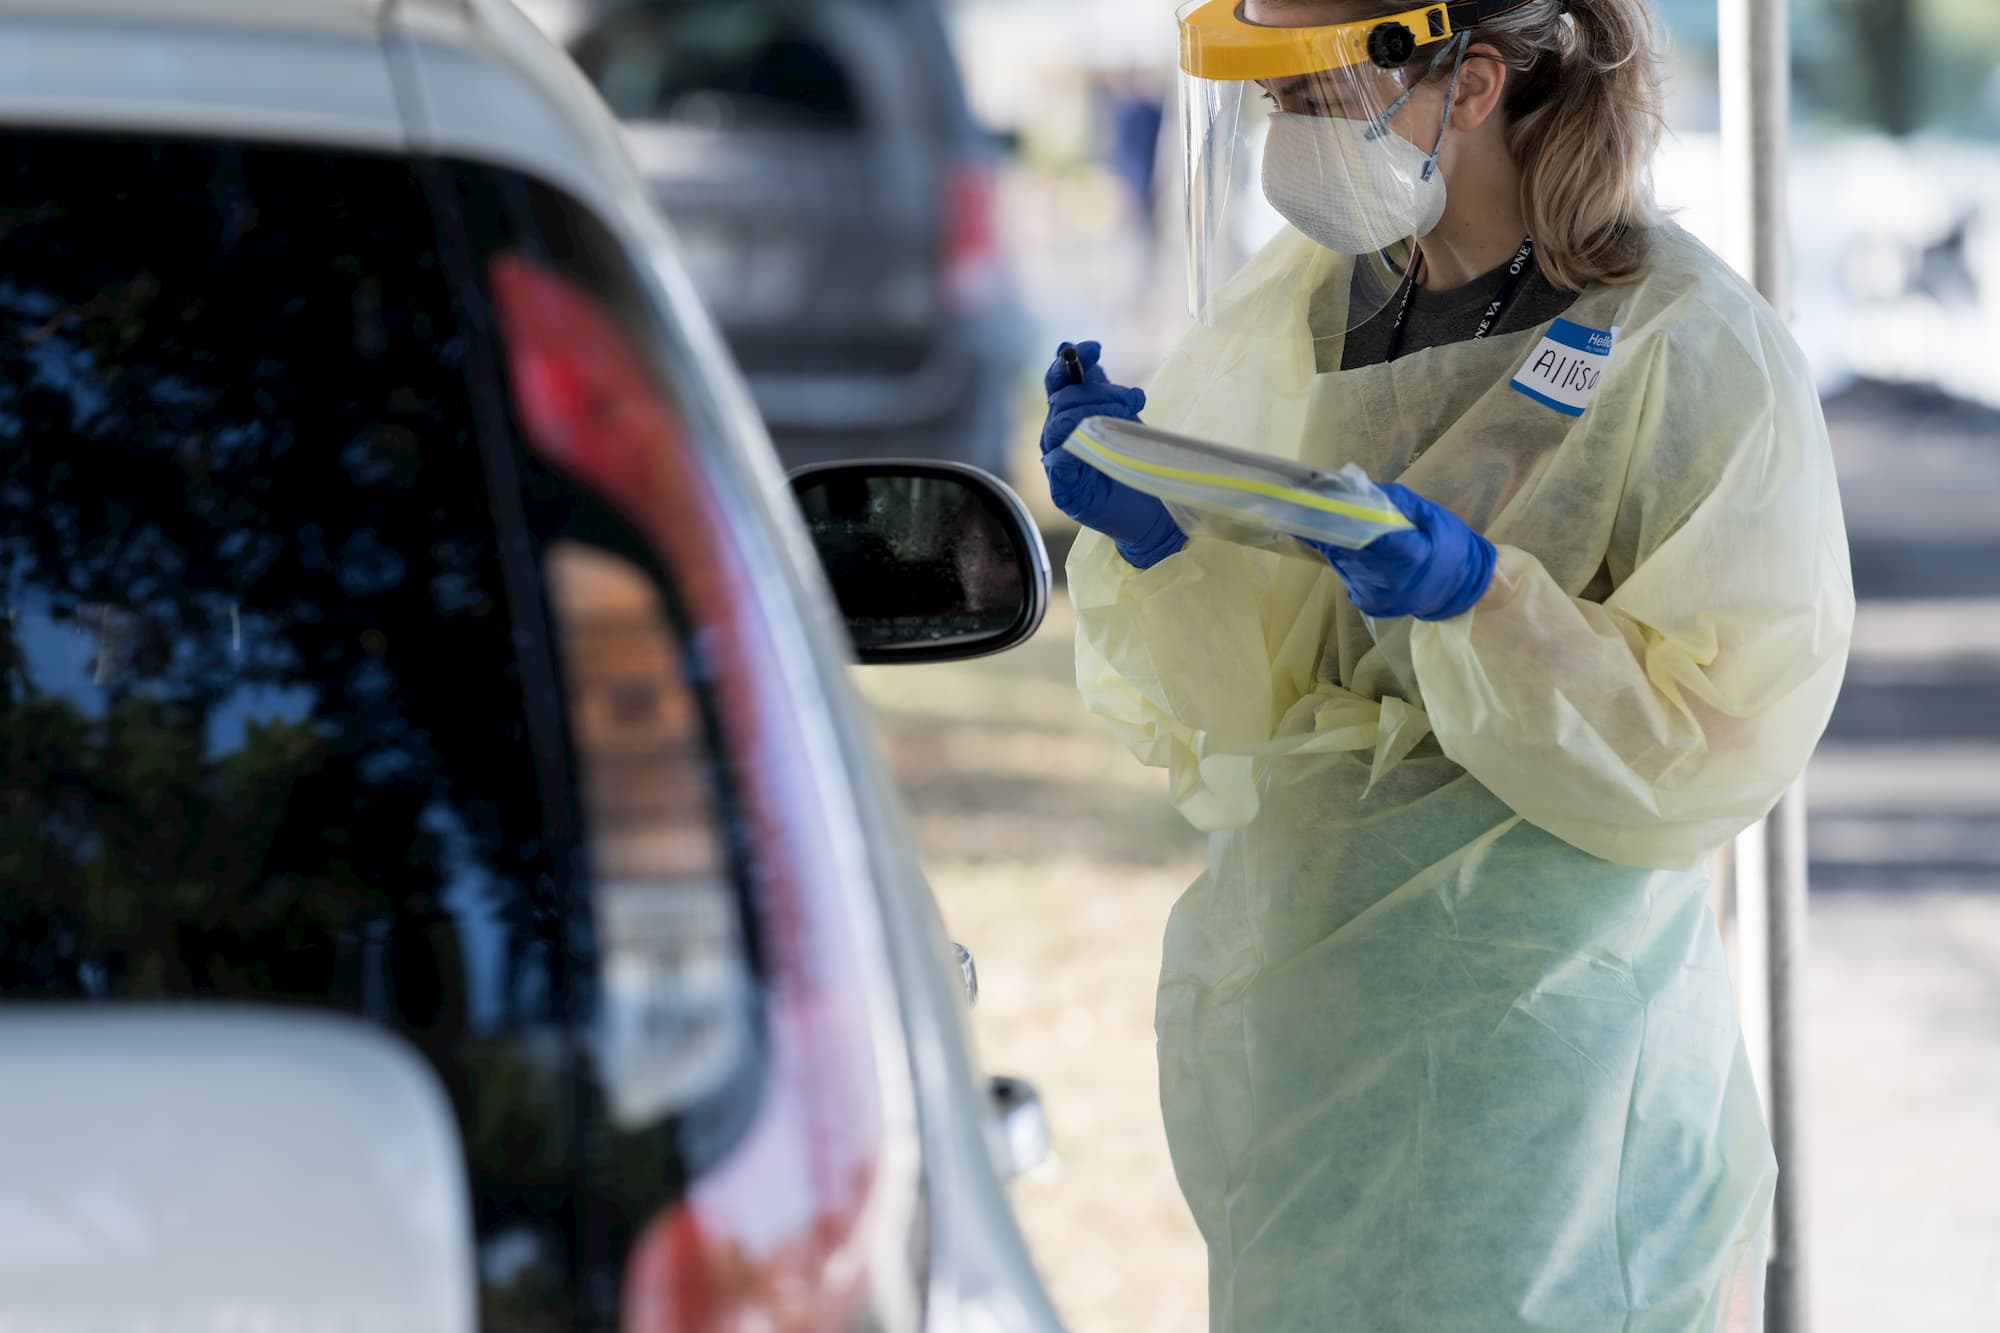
(1565, 370)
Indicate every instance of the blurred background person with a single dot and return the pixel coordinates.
(1135, 110)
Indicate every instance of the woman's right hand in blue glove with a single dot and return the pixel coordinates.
(1145, 533)
(1437, 569)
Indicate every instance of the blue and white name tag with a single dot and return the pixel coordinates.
(1566, 369)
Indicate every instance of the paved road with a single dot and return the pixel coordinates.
(1904, 980)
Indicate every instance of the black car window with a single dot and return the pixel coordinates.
(751, 64)
(303, 666)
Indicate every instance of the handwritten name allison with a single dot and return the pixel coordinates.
(1570, 373)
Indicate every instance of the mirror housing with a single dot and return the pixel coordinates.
(929, 561)
(968, 972)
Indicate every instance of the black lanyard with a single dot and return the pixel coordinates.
(1503, 297)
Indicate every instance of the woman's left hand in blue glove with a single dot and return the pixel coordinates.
(1436, 570)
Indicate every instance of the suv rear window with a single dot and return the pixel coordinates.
(750, 64)
(296, 701)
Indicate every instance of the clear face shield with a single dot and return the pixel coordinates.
(1315, 133)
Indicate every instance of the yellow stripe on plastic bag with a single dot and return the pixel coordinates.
(1325, 504)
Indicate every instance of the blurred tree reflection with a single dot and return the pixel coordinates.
(251, 782)
(1881, 77)
(1903, 67)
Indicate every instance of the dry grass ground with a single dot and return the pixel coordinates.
(1055, 859)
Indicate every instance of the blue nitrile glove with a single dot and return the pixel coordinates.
(1434, 571)
(1140, 525)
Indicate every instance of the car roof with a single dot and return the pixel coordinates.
(307, 71)
(269, 15)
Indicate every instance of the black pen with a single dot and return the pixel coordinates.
(1072, 364)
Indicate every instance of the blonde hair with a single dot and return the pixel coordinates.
(1584, 114)
(1584, 110)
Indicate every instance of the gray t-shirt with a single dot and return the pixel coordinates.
(1440, 318)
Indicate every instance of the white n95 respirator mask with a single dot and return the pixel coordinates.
(1354, 187)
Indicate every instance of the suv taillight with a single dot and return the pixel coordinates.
(971, 253)
(782, 1233)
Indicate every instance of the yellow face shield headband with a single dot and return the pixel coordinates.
(1218, 43)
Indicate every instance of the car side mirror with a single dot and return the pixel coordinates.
(931, 562)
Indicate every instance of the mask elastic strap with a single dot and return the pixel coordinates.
(1461, 44)
(1379, 127)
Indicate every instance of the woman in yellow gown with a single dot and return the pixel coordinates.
(1446, 1037)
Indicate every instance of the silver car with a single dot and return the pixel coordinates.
(446, 880)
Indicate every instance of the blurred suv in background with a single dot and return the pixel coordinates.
(834, 199)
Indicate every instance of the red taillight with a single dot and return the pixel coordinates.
(972, 258)
(773, 1237)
